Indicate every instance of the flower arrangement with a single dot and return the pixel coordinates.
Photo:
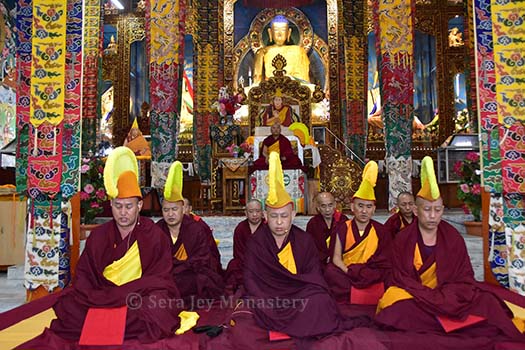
(234, 150)
(244, 148)
(469, 187)
(227, 104)
(92, 192)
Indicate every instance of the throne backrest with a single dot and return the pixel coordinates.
(292, 91)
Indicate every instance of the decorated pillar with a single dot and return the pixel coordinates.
(165, 27)
(48, 119)
(500, 70)
(354, 63)
(394, 28)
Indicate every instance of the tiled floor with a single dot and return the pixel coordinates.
(12, 292)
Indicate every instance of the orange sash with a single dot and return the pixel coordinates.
(363, 251)
(274, 147)
(287, 259)
(181, 253)
(395, 294)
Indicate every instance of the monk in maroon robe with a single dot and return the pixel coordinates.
(194, 269)
(126, 256)
(360, 248)
(321, 225)
(280, 144)
(242, 233)
(92, 289)
(433, 276)
(214, 249)
(271, 279)
(405, 215)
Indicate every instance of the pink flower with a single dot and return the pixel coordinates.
(476, 189)
(94, 205)
(101, 194)
(84, 169)
(457, 168)
(466, 210)
(472, 156)
(465, 188)
(84, 196)
(89, 188)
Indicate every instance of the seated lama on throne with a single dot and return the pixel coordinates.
(276, 142)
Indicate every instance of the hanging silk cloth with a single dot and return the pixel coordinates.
(165, 21)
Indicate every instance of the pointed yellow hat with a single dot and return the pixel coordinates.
(277, 195)
(173, 186)
(121, 178)
(429, 187)
(366, 189)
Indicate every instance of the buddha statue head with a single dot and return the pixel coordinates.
(279, 31)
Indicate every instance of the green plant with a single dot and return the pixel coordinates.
(469, 187)
(92, 192)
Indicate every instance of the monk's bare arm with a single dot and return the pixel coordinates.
(337, 259)
(265, 152)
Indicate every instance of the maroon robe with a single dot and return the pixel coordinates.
(320, 232)
(285, 150)
(91, 289)
(267, 281)
(456, 296)
(197, 276)
(393, 224)
(377, 269)
(214, 249)
(234, 272)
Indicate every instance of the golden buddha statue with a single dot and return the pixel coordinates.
(297, 62)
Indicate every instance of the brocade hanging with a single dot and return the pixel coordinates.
(165, 21)
(501, 86)
(395, 37)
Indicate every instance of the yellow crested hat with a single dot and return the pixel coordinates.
(278, 93)
(121, 178)
(429, 187)
(301, 131)
(277, 195)
(366, 189)
(173, 186)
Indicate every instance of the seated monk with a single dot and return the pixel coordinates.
(244, 230)
(194, 266)
(285, 288)
(214, 249)
(321, 225)
(404, 217)
(278, 112)
(432, 277)
(360, 247)
(128, 255)
(280, 144)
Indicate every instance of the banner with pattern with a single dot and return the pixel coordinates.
(43, 244)
(395, 44)
(165, 21)
(24, 22)
(48, 62)
(92, 34)
(72, 112)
